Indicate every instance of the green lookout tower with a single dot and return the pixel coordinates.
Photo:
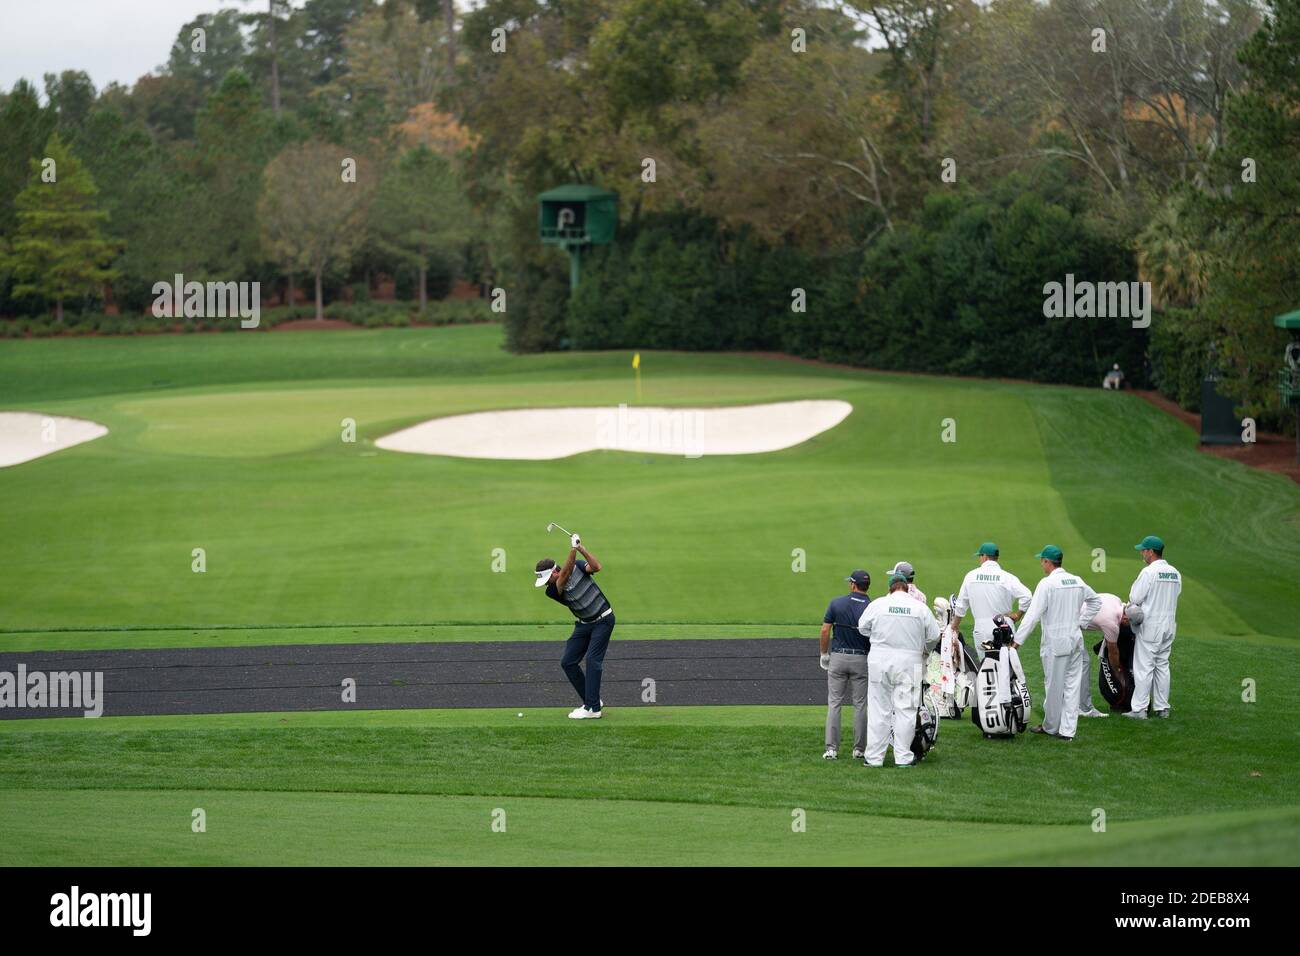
(576, 216)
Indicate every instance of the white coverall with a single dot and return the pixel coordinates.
(1156, 592)
(901, 630)
(986, 592)
(1064, 604)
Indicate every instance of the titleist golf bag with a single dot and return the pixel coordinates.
(927, 727)
(1002, 699)
(950, 668)
(1115, 681)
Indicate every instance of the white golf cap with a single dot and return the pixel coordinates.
(543, 577)
(903, 568)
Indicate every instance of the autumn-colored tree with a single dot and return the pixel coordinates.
(314, 208)
(798, 174)
(395, 63)
(426, 126)
(58, 251)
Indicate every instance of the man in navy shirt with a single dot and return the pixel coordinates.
(844, 658)
(574, 586)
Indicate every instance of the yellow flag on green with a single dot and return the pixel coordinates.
(636, 360)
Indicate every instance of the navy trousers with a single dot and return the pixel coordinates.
(590, 641)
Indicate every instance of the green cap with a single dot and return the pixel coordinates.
(988, 549)
(1051, 552)
(1150, 541)
(898, 579)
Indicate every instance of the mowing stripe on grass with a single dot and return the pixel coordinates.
(130, 828)
(144, 637)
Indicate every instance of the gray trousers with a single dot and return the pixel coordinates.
(847, 676)
(1085, 682)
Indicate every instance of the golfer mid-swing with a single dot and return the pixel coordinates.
(574, 586)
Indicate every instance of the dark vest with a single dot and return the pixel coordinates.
(582, 595)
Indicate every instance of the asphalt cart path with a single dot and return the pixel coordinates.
(221, 680)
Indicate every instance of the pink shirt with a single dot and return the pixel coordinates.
(1107, 619)
(917, 593)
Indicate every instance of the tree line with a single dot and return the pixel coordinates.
(918, 169)
(225, 165)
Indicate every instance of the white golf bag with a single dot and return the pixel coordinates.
(950, 668)
(1002, 701)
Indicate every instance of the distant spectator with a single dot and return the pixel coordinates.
(909, 572)
(1114, 378)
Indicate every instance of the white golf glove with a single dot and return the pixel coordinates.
(826, 662)
(575, 541)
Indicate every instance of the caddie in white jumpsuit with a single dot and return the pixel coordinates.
(1064, 604)
(1154, 595)
(987, 592)
(901, 630)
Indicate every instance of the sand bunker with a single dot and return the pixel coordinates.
(28, 435)
(537, 434)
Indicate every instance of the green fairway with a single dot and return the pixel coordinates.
(231, 443)
(648, 785)
(739, 756)
(295, 829)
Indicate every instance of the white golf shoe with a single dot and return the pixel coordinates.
(858, 754)
(1163, 713)
(831, 754)
(582, 713)
(1092, 712)
(1136, 714)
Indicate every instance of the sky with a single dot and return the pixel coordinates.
(112, 40)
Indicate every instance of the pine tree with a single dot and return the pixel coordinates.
(421, 215)
(57, 251)
(1251, 227)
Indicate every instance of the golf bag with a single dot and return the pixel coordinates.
(927, 727)
(1002, 701)
(1116, 683)
(950, 668)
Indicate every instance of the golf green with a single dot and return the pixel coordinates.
(233, 444)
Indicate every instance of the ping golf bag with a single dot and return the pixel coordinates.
(1116, 682)
(1002, 699)
(927, 727)
(950, 669)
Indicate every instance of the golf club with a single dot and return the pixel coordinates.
(552, 526)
